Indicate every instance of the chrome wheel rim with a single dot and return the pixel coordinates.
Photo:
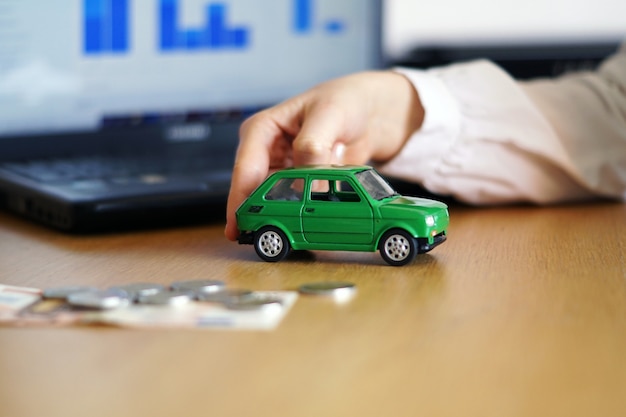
(397, 247)
(270, 243)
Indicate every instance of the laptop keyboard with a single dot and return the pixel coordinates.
(116, 170)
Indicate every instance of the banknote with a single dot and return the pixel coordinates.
(14, 298)
(21, 306)
(200, 315)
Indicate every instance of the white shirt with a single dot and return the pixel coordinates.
(488, 139)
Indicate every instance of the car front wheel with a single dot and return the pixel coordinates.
(271, 244)
(397, 247)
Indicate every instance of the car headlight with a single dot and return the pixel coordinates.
(430, 221)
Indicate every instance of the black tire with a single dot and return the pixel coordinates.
(271, 244)
(397, 247)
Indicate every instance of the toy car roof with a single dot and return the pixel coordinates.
(326, 169)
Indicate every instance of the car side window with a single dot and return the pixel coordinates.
(320, 190)
(333, 190)
(345, 192)
(286, 189)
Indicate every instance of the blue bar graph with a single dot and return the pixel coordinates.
(304, 19)
(105, 26)
(216, 33)
(302, 16)
(335, 26)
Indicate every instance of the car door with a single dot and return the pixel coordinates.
(335, 211)
(282, 204)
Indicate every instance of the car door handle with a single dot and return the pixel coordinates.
(309, 210)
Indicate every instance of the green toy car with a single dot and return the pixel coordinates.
(339, 208)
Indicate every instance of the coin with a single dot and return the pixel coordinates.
(136, 290)
(62, 293)
(198, 285)
(171, 298)
(254, 303)
(226, 295)
(332, 288)
(101, 300)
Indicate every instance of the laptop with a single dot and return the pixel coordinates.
(120, 112)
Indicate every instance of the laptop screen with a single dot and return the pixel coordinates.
(81, 65)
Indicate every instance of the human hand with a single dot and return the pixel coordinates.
(362, 117)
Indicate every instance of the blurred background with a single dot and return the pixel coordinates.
(126, 104)
(529, 38)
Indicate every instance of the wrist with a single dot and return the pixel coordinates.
(404, 114)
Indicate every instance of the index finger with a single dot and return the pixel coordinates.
(258, 136)
(250, 169)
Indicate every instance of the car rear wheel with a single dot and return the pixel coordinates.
(271, 244)
(397, 247)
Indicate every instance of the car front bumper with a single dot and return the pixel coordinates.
(424, 246)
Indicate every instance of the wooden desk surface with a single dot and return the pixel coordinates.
(521, 313)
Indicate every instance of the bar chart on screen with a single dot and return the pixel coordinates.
(108, 25)
(304, 21)
(218, 33)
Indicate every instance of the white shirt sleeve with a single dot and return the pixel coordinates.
(488, 139)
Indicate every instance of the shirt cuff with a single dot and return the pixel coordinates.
(483, 140)
(427, 147)
(440, 106)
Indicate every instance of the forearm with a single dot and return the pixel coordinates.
(486, 140)
(588, 114)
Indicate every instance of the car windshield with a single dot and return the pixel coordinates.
(374, 184)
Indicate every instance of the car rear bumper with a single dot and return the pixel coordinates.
(246, 238)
